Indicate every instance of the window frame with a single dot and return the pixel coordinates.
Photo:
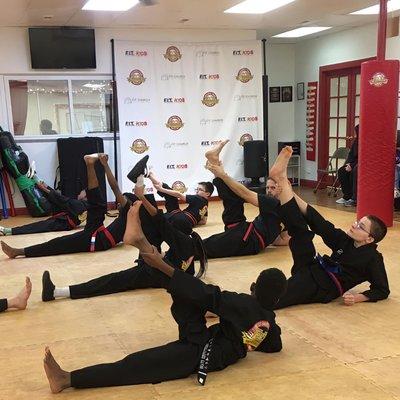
(69, 79)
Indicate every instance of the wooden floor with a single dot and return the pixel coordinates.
(330, 351)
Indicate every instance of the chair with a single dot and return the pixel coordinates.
(340, 153)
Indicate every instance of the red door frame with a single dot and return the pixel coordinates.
(323, 104)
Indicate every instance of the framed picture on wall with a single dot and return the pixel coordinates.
(275, 94)
(300, 91)
(287, 94)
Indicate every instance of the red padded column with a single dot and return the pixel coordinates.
(377, 139)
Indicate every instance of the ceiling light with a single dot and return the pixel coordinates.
(257, 6)
(93, 85)
(307, 30)
(392, 5)
(109, 5)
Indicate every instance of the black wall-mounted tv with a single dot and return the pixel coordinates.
(62, 48)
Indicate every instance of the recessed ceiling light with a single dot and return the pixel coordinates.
(306, 30)
(109, 5)
(392, 5)
(93, 85)
(257, 6)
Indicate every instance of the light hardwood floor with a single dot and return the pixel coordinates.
(330, 351)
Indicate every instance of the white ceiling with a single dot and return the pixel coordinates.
(202, 14)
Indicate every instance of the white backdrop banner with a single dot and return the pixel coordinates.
(177, 100)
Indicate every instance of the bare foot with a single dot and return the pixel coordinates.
(279, 169)
(133, 231)
(213, 154)
(58, 378)
(21, 300)
(9, 251)
(153, 178)
(91, 158)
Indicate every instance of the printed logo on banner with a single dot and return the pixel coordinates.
(245, 138)
(246, 52)
(240, 97)
(244, 75)
(179, 186)
(174, 100)
(139, 146)
(136, 77)
(136, 53)
(174, 123)
(247, 119)
(167, 77)
(172, 54)
(205, 53)
(177, 166)
(169, 145)
(210, 99)
(210, 142)
(149, 190)
(130, 100)
(205, 121)
(209, 76)
(136, 123)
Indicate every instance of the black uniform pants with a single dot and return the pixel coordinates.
(47, 225)
(348, 182)
(174, 360)
(230, 243)
(308, 283)
(3, 305)
(141, 276)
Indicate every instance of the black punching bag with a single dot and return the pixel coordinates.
(255, 165)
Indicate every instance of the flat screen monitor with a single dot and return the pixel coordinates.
(62, 48)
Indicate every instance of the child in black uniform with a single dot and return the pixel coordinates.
(182, 249)
(195, 213)
(241, 237)
(20, 301)
(67, 213)
(246, 323)
(354, 258)
(95, 236)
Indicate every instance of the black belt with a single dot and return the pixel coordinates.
(203, 367)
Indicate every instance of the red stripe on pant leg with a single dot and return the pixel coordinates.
(378, 122)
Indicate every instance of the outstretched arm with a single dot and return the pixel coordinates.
(103, 158)
(171, 192)
(247, 195)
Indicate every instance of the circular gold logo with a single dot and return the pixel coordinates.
(245, 138)
(136, 77)
(210, 99)
(172, 54)
(244, 75)
(82, 217)
(378, 80)
(179, 186)
(139, 146)
(174, 123)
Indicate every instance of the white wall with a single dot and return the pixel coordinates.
(344, 46)
(280, 67)
(15, 59)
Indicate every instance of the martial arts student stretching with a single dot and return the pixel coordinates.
(20, 301)
(246, 323)
(241, 237)
(67, 214)
(354, 258)
(95, 236)
(157, 228)
(195, 213)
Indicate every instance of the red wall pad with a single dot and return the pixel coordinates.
(378, 121)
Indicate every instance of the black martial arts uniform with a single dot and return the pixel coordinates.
(348, 179)
(3, 305)
(66, 215)
(322, 280)
(189, 217)
(240, 237)
(94, 237)
(181, 248)
(240, 315)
